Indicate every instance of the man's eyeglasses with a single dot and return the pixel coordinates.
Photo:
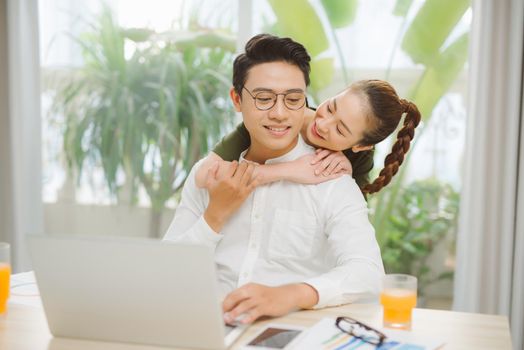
(265, 100)
(360, 330)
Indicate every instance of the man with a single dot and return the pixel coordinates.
(281, 246)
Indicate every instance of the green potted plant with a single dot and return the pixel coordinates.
(145, 106)
(425, 215)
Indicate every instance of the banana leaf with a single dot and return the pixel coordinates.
(437, 78)
(322, 72)
(431, 27)
(340, 13)
(298, 20)
(402, 7)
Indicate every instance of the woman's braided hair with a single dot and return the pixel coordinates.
(386, 110)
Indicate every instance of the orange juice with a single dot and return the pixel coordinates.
(5, 273)
(398, 304)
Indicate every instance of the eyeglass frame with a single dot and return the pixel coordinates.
(352, 321)
(276, 99)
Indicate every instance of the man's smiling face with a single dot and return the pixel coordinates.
(274, 131)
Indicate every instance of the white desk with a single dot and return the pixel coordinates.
(24, 327)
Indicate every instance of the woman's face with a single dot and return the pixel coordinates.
(339, 122)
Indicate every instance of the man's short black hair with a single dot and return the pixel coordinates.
(264, 48)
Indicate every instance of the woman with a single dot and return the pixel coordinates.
(345, 129)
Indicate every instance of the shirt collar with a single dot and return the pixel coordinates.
(300, 149)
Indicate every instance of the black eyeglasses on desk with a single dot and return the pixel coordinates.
(360, 330)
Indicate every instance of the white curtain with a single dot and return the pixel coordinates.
(490, 242)
(20, 183)
(4, 125)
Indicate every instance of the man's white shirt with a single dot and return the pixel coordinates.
(290, 233)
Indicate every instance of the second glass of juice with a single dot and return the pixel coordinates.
(398, 298)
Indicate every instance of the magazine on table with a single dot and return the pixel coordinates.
(325, 335)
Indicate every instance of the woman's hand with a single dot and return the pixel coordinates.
(329, 162)
(307, 169)
(253, 300)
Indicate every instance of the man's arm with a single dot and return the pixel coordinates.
(201, 213)
(189, 225)
(254, 300)
(352, 242)
(228, 184)
(357, 275)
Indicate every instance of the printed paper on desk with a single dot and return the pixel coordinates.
(326, 336)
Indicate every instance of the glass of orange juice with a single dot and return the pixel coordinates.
(5, 273)
(398, 298)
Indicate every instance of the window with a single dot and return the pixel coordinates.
(415, 216)
(133, 95)
(115, 132)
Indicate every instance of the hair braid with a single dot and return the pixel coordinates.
(401, 146)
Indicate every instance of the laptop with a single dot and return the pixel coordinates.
(130, 290)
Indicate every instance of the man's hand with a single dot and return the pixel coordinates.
(202, 172)
(228, 184)
(252, 301)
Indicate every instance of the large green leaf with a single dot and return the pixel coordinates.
(431, 27)
(437, 78)
(402, 7)
(298, 20)
(340, 13)
(322, 72)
